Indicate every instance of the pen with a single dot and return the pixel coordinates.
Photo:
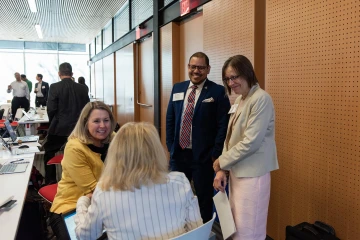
(17, 160)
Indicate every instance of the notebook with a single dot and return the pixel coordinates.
(15, 139)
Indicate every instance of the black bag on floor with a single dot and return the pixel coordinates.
(308, 231)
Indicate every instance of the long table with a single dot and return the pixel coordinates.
(13, 185)
(38, 116)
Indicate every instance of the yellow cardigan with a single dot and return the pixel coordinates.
(81, 170)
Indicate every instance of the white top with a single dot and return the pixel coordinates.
(20, 89)
(39, 93)
(197, 94)
(160, 211)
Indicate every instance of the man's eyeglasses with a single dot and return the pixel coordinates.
(200, 68)
(227, 80)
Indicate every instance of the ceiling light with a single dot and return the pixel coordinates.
(32, 5)
(38, 30)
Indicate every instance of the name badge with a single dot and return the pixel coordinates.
(178, 96)
(43, 87)
(233, 108)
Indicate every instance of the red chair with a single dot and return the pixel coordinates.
(48, 192)
(56, 160)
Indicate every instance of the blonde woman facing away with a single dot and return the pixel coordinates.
(249, 152)
(83, 161)
(136, 197)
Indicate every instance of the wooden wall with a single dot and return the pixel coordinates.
(312, 74)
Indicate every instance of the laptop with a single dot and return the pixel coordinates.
(15, 139)
(17, 167)
(70, 225)
(19, 151)
(30, 118)
(27, 115)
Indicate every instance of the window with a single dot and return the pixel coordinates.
(98, 43)
(140, 11)
(121, 22)
(107, 35)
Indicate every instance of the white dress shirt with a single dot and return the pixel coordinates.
(39, 93)
(197, 94)
(159, 211)
(20, 89)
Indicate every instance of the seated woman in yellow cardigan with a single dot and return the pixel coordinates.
(83, 161)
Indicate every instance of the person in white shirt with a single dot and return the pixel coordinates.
(21, 94)
(136, 197)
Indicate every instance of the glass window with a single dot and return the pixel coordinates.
(107, 33)
(73, 47)
(11, 44)
(43, 63)
(92, 48)
(98, 43)
(121, 22)
(79, 65)
(166, 2)
(10, 62)
(41, 45)
(140, 11)
(99, 81)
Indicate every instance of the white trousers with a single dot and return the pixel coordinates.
(249, 201)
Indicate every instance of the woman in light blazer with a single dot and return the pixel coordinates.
(249, 153)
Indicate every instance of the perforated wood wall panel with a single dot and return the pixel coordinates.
(191, 41)
(312, 73)
(169, 73)
(228, 31)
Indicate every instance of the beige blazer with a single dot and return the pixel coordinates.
(249, 149)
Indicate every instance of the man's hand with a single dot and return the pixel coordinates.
(89, 195)
(9, 87)
(216, 165)
(220, 181)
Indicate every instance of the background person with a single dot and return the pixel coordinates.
(81, 80)
(28, 82)
(196, 122)
(249, 150)
(83, 161)
(136, 197)
(41, 91)
(65, 101)
(21, 95)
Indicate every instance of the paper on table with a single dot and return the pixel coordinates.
(225, 215)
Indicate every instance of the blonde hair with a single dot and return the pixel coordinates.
(135, 158)
(81, 130)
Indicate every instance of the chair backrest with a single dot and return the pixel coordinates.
(200, 233)
(19, 114)
(2, 113)
(6, 111)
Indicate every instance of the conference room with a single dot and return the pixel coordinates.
(132, 53)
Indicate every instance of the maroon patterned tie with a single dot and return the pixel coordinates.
(187, 120)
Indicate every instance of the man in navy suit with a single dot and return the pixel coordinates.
(41, 90)
(196, 124)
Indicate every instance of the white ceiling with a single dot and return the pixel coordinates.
(70, 21)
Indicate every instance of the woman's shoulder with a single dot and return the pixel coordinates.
(75, 143)
(178, 178)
